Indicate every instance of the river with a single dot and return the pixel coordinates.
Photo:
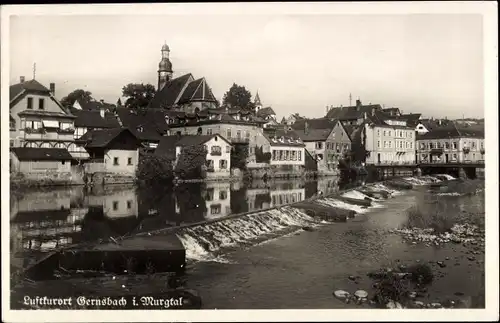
(264, 261)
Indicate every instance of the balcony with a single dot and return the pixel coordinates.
(43, 134)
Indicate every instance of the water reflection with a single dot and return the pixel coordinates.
(44, 220)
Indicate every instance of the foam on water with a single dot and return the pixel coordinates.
(423, 180)
(340, 204)
(202, 241)
(448, 177)
(356, 195)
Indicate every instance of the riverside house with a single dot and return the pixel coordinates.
(240, 128)
(326, 140)
(112, 151)
(451, 144)
(37, 118)
(218, 159)
(34, 161)
(287, 150)
(93, 116)
(378, 138)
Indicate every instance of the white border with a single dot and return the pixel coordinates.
(490, 27)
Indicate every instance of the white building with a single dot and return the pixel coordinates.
(218, 160)
(451, 145)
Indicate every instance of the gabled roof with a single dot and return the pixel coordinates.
(19, 90)
(313, 134)
(451, 132)
(265, 112)
(171, 92)
(291, 138)
(96, 105)
(28, 86)
(26, 154)
(319, 123)
(152, 122)
(197, 90)
(352, 112)
(102, 138)
(93, 119)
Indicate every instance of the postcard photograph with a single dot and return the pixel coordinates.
(328, 160)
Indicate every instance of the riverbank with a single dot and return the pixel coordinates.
(284, 251)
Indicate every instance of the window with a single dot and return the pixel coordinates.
(30, 103)
(384, 133)
(378, 143)
(319, 145)
(129, 205)
(228, 133)
(299, 155)
(455, 145)
(411, 145)
(447, 145)
(454, 156)
(115, 161)
(287, 154)
(378, 133)
(222, 195)
(385, 144)
(129, 161)
(294, 155)
(411, 134)
(222, 164)
(41, 104)
(275, 155)
(228, 149)
(209, 131)
(390, 144)
(238, 134)
(115, 205)
(430, 145)
(216, 150)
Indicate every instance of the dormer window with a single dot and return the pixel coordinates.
(140, 129)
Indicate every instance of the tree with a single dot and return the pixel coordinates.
(239, 156)
(138, 94)
(191, 162)
(79, 94)
(238, 96)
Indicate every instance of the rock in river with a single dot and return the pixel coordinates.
(361, 294)
(341, 294)
(393, 305)
(441, 264)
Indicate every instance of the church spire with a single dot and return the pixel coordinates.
(165, 67)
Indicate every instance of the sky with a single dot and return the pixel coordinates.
(301, 63)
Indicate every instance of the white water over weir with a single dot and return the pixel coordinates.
(202, 241)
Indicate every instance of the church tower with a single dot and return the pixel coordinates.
(257, 103)
(164, 68)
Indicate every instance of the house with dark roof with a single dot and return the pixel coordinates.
(218, 160)
(37, 118)
(292, 119)
(451, 144)
(28, 160)
(114, 151)
(380, 138)
(266, 113)
(286, 149)
(93, 105)
(90, 119)
(326, 140)
(147, 124)
(238, 128)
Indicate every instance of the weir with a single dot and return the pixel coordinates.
(167, 249)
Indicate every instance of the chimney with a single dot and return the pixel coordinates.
(53, 88)
(21, 79)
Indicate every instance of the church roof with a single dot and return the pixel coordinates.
(171, 92)
(197, 90)
(257, 99)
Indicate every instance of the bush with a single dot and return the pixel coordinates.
(239, 156)
(153, 170)
(431, 216)
(191, 162)
(421, 274)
